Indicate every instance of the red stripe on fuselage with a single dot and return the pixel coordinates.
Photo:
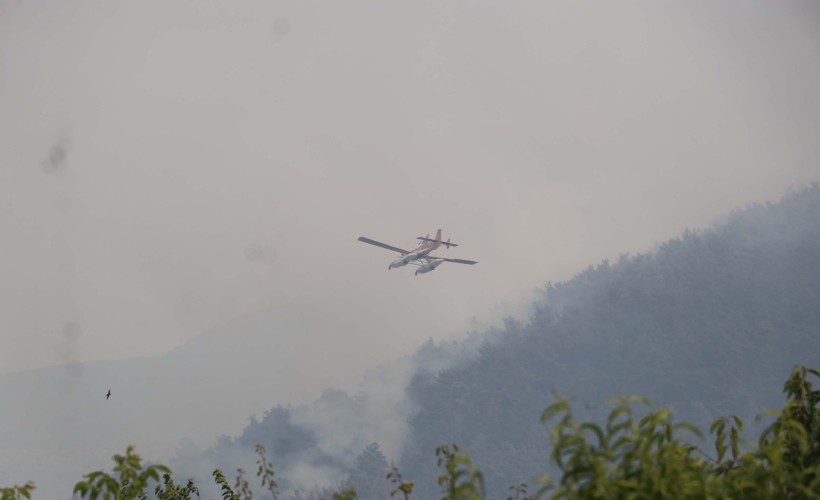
(428, 246)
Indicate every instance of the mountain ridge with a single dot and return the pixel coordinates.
(708, 324)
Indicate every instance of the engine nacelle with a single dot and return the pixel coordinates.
(430, 266)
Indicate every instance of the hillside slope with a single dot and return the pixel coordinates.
(709, 324)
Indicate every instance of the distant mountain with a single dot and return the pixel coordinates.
(56, 424)
(709, 323)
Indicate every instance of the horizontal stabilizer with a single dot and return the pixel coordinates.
(445, 243)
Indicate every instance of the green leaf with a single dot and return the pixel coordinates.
(596, 430)
(554, 409)
(738, 422)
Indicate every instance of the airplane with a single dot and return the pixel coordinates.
(420, 256)
(108, 395)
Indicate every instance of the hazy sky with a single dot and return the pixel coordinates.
(166, 167)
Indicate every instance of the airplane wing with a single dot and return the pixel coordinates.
(383, 245)
(457, 261)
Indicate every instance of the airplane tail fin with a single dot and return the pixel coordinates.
(438, 236)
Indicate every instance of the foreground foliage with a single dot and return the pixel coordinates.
(639, 451)
(17, 492)
(647, 458)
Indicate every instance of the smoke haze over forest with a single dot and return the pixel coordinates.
(171, 170)
(167, 167)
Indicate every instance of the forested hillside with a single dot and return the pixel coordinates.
(707, 323)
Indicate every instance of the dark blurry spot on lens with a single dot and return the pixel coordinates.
(281, 26)
(74, 369)
(72, 330)
(254, 252)
(56, 159)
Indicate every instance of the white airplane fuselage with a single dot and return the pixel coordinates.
(419, 253)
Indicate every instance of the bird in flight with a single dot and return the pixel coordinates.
(108, 395)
